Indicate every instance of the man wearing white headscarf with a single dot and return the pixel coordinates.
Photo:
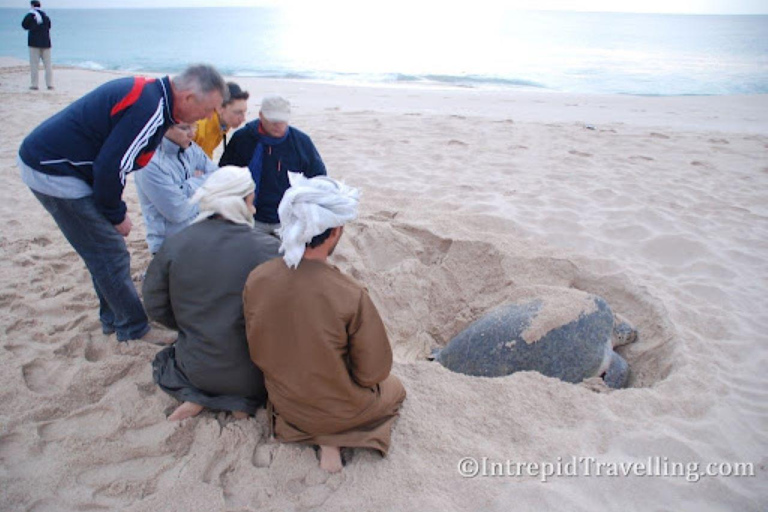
(316, 334)
(194, 285)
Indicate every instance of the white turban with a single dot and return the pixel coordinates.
(223, 193)
(308, 208)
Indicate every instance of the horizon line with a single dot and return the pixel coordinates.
(159, 7)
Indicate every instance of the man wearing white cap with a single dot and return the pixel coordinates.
(194, 285)
(270, 148)
(316, 334)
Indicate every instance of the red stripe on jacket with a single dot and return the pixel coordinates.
(143, 159)
(138, 85)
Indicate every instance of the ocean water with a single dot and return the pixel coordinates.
(644, 54)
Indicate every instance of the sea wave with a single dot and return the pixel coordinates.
(616, 83)
(89, 64)
(479, 81)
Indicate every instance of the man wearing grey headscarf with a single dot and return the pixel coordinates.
(194, 285)
(316, 334)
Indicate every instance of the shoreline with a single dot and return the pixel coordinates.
(736, 113)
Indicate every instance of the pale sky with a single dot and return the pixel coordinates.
(659, 6)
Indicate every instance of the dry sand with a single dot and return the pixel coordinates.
(662, 209)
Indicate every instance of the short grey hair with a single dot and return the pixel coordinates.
(202, 79)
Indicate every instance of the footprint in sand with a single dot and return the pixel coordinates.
(6, 299)
(656, 135)
(314, 497)
(47, 377)
(698, 163)
(41, 241)
(95, 351)
(21, 324)
(23, 262)
(218, 466)
(454, 142)
(263, 455)
(90, 424)
(16, 350)
(718, 141)
(68, 326)
(127, 477)
(579, 153)
(72, 348)
(641, 157)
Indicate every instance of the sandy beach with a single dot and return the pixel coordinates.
(657, 204)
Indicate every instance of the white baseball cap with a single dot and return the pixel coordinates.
(275, 108)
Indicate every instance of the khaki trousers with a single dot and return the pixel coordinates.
(35, 55)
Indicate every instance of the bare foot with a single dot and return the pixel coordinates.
(239, 415)
(330, 458)
(185, 410)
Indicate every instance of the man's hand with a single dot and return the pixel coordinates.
(124, 227)
(199, 173)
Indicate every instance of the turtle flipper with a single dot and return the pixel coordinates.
(617, 375)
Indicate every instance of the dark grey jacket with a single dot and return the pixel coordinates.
(195, 285)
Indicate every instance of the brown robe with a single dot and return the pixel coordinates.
(324, 351)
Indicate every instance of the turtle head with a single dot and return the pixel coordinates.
(623, 334)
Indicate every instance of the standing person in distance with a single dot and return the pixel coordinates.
(38, 27)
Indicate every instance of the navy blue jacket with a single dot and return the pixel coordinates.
(38, 35)
(296, 153)
(100, 138)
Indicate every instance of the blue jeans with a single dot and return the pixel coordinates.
(104, 252)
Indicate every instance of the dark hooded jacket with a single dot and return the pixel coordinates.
(296, 153)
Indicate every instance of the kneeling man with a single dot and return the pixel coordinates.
(316, 334)
(194, 285)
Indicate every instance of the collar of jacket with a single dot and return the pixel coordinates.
(253, 126)
(170, 148)
(165, 85)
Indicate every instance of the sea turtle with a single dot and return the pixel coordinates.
(560, 332)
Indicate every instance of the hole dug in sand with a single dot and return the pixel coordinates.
(429, 288)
